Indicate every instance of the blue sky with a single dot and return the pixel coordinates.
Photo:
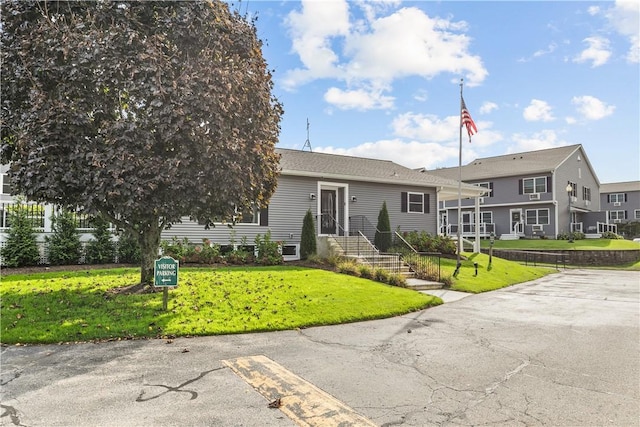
(380, 79)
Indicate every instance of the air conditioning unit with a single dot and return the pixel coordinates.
(534, 196)
(617, 203)
(481, 200)
(617, 221)
(574, 199)
(536, 227)
(587, 202)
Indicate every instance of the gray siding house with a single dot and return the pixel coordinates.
(621, 201)
(345, 195)
(537, 193)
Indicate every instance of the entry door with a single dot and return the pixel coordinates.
(329, 211)
(517, 225)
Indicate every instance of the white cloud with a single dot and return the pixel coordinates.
(311, 31)
(432, 129)
(593, 10)
(410, 43)
(412, 154)
(538, 111)
(426, 127)
(570, 120)
(488, 107)
(359, 99)
(598, 51)
(537, 141)
(624, 18)
(375, 51)
(591, 108)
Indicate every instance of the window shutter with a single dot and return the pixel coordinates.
(519, 186)
(625, 215)
(491, 188)
(264, 216)
(625, 197)
(426, 203)
(403, 201)
(608, 198)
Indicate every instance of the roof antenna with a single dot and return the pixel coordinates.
(307, 143)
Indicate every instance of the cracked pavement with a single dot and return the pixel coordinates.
(561, 350)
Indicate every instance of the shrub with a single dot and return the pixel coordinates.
(447, 281)
(365, 271)
(210, 253)
(348, 267)
(181, 250)
(611, 235)
(425, 242)
(576, 235)
(381, 275)
(21, 249)
(308, 244)
(268, 251)
(382, 238)
(397, 280)
(63, 246)
(101, 249)
(128, 249)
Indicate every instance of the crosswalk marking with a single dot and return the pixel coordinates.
(303, 402)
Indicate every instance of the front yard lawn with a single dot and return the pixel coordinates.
(81, 306)
(502, 273)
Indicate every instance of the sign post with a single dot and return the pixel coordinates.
(165, 274)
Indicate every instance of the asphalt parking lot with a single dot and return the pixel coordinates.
(563, 350)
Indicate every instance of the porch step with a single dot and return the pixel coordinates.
(422, 285)
(593, 236)
(509, 237)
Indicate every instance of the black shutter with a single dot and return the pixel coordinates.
(519, 186)
(608, 198)
(490, 188)
(426, 203)
(403, 201)
(625, 197)
(264, 216)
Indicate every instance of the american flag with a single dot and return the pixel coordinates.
(466, 120)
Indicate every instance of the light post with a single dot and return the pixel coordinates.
(569, 192)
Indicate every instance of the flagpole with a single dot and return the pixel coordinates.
(458, 262)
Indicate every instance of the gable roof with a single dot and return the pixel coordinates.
(531, 162)
(339, 167)
(619, 187)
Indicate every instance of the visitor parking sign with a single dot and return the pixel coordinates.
(165, 272)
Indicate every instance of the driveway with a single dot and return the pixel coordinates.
(561, 350)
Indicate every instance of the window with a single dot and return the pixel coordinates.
(486, 217)
(537, 216)
(574, 189)
(534, 185)
(488, 186)
(251, 217)
(6, 184)
(586, 193)
(617, 216)
(636, 214)
(617, 198)
(415, 202)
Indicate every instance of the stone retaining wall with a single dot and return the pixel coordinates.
(570, 257)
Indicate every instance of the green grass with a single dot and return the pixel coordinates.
(552, 244)
(502, 273)
(77, 306)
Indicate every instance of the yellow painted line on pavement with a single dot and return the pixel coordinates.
(303, 402)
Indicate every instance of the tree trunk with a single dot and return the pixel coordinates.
(149, 243)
